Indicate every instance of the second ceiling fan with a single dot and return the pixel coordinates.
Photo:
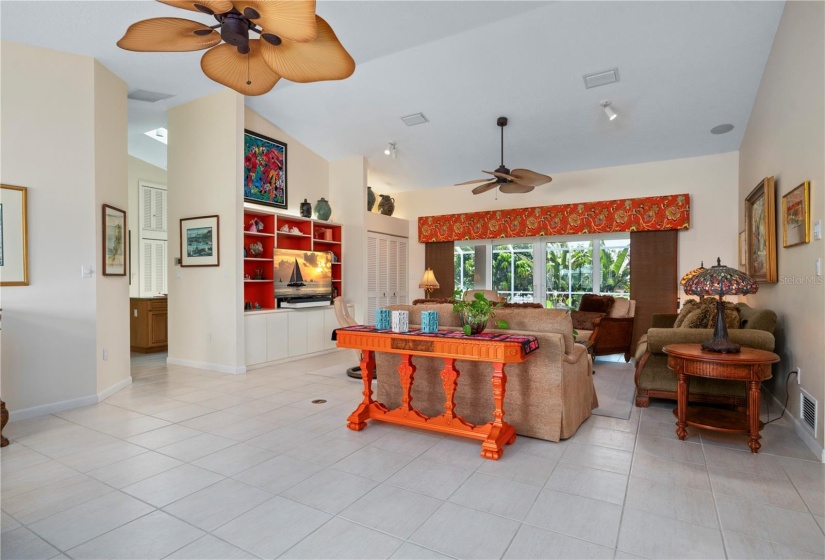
(507, 181)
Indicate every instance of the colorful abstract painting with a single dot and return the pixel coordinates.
(264, 170)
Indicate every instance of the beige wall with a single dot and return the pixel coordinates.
(54, 328)
(205, 178)
(139, 170)
(711, 182)
(785, 138)
(307, 173)
(112, 292)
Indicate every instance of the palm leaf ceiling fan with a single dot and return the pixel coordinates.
(515, 181)
(293, 42)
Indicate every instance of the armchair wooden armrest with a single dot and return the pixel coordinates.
(612, 335)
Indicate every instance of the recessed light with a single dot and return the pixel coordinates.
(721, 129)
(159, 134)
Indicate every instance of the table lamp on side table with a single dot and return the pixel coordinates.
(428, 283)
(720, 280)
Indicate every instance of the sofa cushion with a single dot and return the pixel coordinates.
(702, 315)
(596, 303)
(621, 308)
(583, 320)
(688, 307)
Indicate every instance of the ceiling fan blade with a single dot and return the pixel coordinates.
(227, 66)
(206, 6)
(485, 187)
(322, 59)
(515, 188)
(500, 175)
(293, 20)
(527, 177)
(472, 182)
(168, 34)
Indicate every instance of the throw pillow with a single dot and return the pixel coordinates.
(596, 303)
(732, 318)
(583, 320)
(432, 300)
(688, 307)
(528, 305)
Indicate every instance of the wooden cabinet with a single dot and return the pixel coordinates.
(148, 325)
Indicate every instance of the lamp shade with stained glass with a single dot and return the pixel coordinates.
(720, 280)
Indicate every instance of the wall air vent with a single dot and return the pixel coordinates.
(148, 96)
(412, 120)
(601, 78)
(807, 410)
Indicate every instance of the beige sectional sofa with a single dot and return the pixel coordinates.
(547, 397)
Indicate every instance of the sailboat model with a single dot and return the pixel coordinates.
(296, 280)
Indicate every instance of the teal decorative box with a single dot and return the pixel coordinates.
(429, 321)
(382, 319)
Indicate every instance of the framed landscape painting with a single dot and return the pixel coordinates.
(796, 216)
(264, 180)
(14, 244)
(199, 241)
(760, 220)
(114, 241)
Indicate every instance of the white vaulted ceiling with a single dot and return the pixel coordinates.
(684, 68)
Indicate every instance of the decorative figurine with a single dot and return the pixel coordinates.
(256, 225)
(387, 205)
(258, 274)
(256, 249)
(257, 305)
(306, 209)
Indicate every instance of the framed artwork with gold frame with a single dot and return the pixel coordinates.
(760, 225)
(796, 216)
(14, 242)
(114, 241)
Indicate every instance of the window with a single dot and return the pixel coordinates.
(561, 269)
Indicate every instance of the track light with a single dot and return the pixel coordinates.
(608, 110)
(390, 150)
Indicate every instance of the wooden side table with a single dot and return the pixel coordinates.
(750, 365)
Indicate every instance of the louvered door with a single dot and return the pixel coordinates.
(387, 280)
(372, 278)
(153, 267)
(152, 264)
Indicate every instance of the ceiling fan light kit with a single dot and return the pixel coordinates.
(517, 181)
(294, 43)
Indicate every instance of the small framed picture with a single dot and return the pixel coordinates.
(199, 241)
(114, 241)
(14, 245)
(796, 216)
(743, 250)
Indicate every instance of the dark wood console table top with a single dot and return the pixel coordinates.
(750, 366)
(494, 434)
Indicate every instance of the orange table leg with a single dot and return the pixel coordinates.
(500, 431)
(358, 419)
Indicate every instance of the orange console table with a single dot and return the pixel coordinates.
(494, 434)
(750, 365)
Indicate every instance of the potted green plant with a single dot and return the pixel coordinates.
(476, 312)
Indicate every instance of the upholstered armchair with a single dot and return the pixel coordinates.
(607, 323)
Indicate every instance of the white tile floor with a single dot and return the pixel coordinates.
(190, 464)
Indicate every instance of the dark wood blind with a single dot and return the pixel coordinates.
(653, 283)
(439, 257)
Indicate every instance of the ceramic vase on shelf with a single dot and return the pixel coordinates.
(322, 209)
(370, 199)
(306, 209)
(387, 205)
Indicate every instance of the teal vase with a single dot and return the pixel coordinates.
(370, 199)
(322, 209)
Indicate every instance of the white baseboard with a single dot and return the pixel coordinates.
(295, 358)
(207, 366)
(34, 411)
(109, 391)
(801, 431)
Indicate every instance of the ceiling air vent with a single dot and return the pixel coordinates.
(601, 78)
(149, 96)
(807, 410)
(412, 120)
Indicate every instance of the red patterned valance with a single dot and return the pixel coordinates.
(654, 213)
